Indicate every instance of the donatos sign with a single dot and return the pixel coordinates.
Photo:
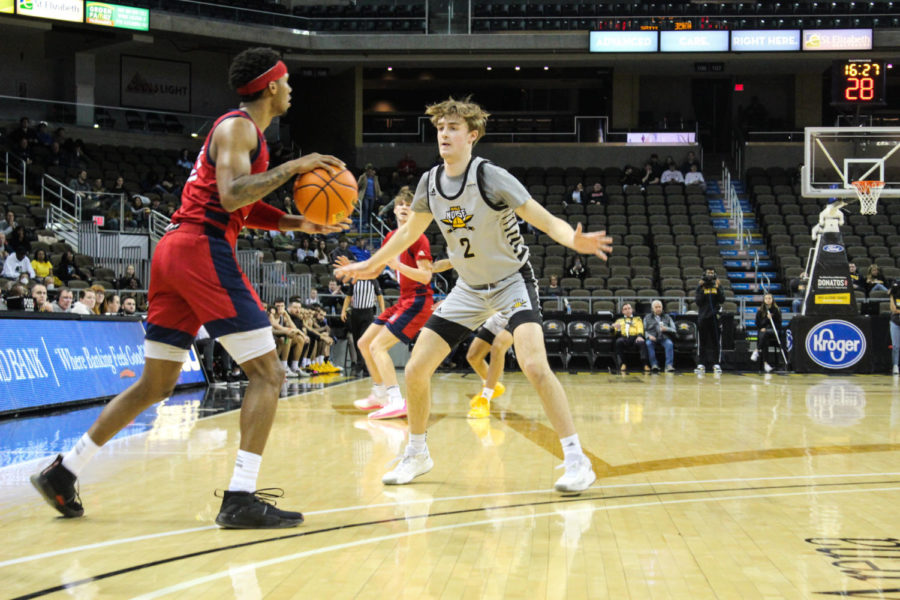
(835, 344)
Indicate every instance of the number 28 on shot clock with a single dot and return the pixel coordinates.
(858, 82)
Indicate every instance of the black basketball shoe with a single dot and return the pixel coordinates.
(57, 485)
(255, 510)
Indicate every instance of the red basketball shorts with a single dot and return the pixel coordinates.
(195, 280)
(407, 317)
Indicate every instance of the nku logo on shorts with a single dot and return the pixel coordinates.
(835, 344)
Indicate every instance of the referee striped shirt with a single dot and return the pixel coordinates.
(363, 293)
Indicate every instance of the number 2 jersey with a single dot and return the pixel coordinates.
(475, 213)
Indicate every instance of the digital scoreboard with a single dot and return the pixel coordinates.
(858, 82)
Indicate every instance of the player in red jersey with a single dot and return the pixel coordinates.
(195, 280)
(399, 323)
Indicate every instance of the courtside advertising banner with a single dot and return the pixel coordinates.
(52, 362)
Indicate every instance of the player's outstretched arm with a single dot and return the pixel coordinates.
(232, 143)
(441, 265)
(420, 273)
(596, 243)
(371, 268)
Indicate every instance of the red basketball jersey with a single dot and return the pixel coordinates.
(200, 202)
(419, 250)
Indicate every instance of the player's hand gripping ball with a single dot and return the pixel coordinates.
(323, 198)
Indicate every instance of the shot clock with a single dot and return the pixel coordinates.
(858, 82)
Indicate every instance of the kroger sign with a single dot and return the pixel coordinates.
(835, 344)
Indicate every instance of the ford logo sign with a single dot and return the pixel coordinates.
(834, 248)
(835, 344)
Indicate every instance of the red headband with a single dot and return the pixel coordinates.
(260, 82)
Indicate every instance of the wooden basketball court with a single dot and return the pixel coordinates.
(743, 486)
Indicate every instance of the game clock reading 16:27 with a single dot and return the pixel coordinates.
(858, 82)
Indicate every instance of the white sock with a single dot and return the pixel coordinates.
(284, 365)
(487, 393)
(319, 359)
(379, 390)
(294, 365)
(417, 443)
(571, 445)
(394, 395)
(305, 362)
(246, 470)
(80, 454)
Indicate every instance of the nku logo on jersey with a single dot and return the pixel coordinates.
(457, 218)
(835, 344)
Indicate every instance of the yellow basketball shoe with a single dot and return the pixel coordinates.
(498, 390)
(334, 368)
(481, 408)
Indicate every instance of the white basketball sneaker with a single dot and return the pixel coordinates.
(579, 475)
(410, 466)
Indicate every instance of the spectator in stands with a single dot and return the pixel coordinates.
(129, 280)
(185, 160)
(85, 304)
(672, 175)
(22, 237)
(67, 270)
(343, 249)
(855, 280)
(690, 160)
(895, 327)
(597, 196)
(304, 252)
(24, 151)
(41, 264)
(99, 298)
(659, 329)
(875, 280)
(709, 299)
(629, 335)
(63, 301)
(335, 298)
(798, 289)
(5, 247)
(695, 177)
(630, 177)
(17, 298)
(577, 268)
(80, 183)
(17, 264)
(369, 194)
(767, 315)
(111, 304)
(648, 177)
(656, 165)
(578, 195)
(9, 223)
(43, 136)
(56, 157)
(321, 254)
(139, 211)
(313, 298)
(361, 250)
(39, 296)
(166, 185)
(553, 288)
(129, 307)
(22, 132)
(118, 189)
(282, 240)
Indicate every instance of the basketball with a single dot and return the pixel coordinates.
(323, 198)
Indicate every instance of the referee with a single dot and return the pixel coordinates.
(361, 298)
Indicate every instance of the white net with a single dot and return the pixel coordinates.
(868, 193)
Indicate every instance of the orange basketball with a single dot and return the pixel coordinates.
(323, 198)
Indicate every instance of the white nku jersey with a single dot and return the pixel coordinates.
(475, 212)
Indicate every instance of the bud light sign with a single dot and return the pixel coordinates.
(835, 344)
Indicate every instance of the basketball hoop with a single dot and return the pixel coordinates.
(868, 193)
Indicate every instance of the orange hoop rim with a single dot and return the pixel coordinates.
(867, 185)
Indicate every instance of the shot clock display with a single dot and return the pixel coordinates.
(858, 82)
